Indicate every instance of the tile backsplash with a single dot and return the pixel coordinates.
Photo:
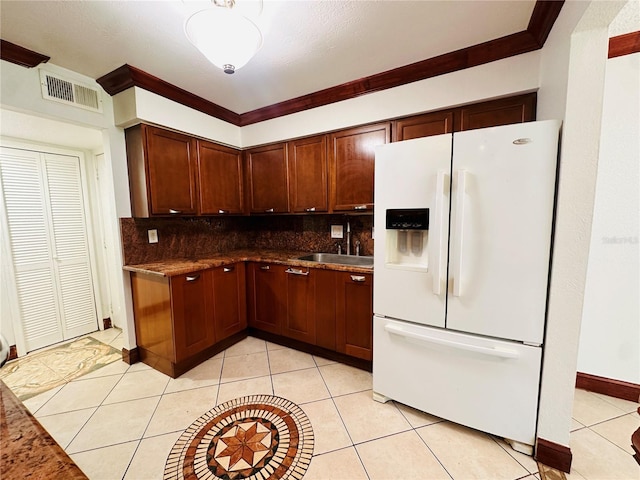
(201, 236)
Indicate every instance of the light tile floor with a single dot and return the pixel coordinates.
(121, 421)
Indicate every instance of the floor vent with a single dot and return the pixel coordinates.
(69, 92)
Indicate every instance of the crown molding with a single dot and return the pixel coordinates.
(624, 44)
(544, 15)
(127, 76)
(21, 56)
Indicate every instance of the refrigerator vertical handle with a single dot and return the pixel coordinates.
(461, 177)
(438, 244)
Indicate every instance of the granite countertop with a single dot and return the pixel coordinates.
(181, 266)
(28, 451)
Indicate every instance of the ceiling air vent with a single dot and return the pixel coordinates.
(58, 89)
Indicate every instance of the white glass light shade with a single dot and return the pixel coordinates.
(226, 38)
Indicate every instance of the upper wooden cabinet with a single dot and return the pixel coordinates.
(505, 111)
(267, 179)
(162, 171)
(351, 161)
(308, 175)
(220, 179)
(423, 126)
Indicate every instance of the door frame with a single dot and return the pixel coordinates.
(8, 271)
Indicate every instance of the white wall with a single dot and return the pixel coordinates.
(49, 123)
(588, 46)
(610, 333)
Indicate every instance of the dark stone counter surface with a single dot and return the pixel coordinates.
(169, 268)
(28, 451)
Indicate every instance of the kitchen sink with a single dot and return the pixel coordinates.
(359, 261)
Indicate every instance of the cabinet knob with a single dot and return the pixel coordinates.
(265, 267)
(223, 211)
(358, 278)
(269, 210)
(310, 209)
(228, 269)
(173, 212)
(360, 207)
(192, 278)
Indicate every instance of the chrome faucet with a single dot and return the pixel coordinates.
(348, 238)
(357, 244)
(339, 247)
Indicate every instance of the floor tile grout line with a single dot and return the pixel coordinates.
(612, 443)
(415, 429)
(364, 468)
(104, 446)
(608, 420)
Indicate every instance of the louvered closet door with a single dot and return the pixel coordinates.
(47, 232)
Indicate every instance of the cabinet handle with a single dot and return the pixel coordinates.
(358, 278)
(297, 271)
(228, 269)
(192, 278)
(265, 267)
(172, 211)
(269, 210)
(360, 207)
(310, 209)
(222, 211)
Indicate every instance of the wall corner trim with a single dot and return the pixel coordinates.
(554, 455)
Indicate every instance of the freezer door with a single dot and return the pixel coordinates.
(501, 218)
(410, 266)
(490, 385)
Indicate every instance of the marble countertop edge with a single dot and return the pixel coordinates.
(181, 266)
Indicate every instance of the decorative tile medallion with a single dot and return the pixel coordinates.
(258, 437)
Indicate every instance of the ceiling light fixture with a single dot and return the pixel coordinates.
(225, 37)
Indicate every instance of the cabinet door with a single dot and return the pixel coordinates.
(267, 179)
(325, 308)
(219, 179)
(308, 175)
(519, 109)
(192, 313)
(267, 297)
(300, 322)
(171, 167)
(351, 156)
(423, 126)
(229, 300)
(354, 314)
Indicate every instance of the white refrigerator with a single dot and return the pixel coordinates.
(463, 231)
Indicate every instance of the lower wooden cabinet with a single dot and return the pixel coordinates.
(180, 320)
(266, 296)
(326, 308)
(354, 314)
(191, 309)
(300, 316)
(229, 300)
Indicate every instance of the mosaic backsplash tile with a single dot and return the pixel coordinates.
(199, 237)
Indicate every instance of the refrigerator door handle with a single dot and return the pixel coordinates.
(458, 233)
(492, 351)
(438, 244)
